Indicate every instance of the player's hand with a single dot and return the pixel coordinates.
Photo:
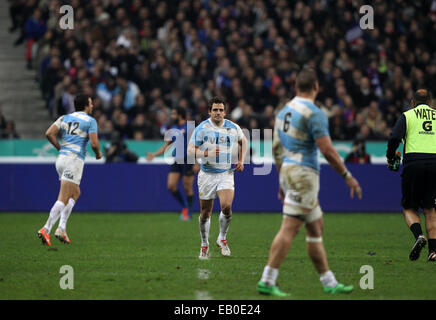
(281, 195)
(150, 156)
(354, 186)
(99, 155)
(217, 151)
(212, 152)
(196, 168)
(239, 166)
(394, 164)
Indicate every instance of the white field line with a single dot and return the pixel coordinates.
(202, 295)
(203, 274)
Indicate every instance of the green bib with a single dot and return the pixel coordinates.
(420, 129)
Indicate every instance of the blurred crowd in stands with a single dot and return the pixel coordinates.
(140, 58)
(7, 128)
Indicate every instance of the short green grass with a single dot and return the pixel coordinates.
(154, 256)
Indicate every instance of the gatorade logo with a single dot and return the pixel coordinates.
(427, 126)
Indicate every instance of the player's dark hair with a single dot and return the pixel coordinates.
(306, 80)
(216, 100)
(422, 96)
(81, 101)
(181, 112)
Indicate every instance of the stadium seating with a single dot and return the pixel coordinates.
(145, 57)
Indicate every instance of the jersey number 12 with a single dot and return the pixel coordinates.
(72, 127)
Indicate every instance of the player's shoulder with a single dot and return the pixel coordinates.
(286, 108)
(306, 107)
(230, 124)
(82, 116)
(204, 125)
(319, 114)
(60, 119)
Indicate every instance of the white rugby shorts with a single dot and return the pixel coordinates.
(300, 185)
(70, 168)
(210, 183)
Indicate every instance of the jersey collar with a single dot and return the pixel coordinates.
(211, 122)
(423, 104)
(305, 99)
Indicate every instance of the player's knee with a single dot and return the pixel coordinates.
(188, 189)
(314, 230)
(204, 215)
(226, 209)
(172, 188)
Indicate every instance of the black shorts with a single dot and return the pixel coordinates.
(183, 169)
(418, 185)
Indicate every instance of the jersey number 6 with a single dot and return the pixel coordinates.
(287, 121)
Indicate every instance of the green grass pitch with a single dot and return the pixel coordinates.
(154, 256)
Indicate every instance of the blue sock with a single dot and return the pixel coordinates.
(190, 201)
(179, 198)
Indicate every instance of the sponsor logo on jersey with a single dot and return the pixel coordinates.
(69, 175)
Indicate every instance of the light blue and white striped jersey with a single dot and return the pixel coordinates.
(207, 136)
(298, 125)
(75, 129)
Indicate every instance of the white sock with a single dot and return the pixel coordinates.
(269, 275)
(55, 212)
(224, 226)
(328, 279)
(204, 231)
(65, 214)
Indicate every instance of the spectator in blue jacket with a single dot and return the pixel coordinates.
(34, 28)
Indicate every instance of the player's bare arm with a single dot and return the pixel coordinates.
(95, 145)
(242, 152)
(277, 150)
(194, 151)
(52, 134)
(326, 147)
(161, 150)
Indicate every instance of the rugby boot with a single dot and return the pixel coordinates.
(224, 248)
(44, 236)
(62, 236)
(340, 288)
(262, 288)
(204, 253)
(417, 247)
